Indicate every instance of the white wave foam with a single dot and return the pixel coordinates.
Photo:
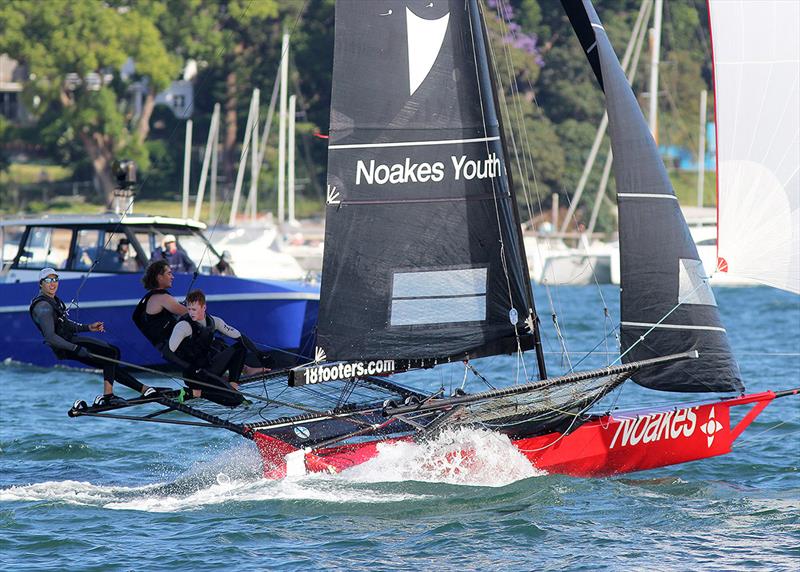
(70, 492)
(457, 456)
(462, 456)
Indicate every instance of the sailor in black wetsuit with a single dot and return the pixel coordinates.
(194, 347)
(158, 311)
(49, 314)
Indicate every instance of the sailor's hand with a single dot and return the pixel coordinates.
(83, 352)
(97, 327)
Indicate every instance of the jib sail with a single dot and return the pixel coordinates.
(667, 305)
(423, 251)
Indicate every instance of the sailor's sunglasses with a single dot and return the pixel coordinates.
(50, 280)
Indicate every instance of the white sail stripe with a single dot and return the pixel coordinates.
(673, 326)
(648, 196)
(244, 296)
(414, 143)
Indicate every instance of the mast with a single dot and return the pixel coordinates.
(282, 129)
(187, 165)
(201, 187)
(483, 55)
(701, 150)
(655, 57)
(290, 158)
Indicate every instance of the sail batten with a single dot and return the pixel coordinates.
(422, 256)
(666, 304)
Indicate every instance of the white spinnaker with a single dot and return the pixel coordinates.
(756, 45)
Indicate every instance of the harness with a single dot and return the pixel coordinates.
(60, 312)
(157, 327)
(197, 348)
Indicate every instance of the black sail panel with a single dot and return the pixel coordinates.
(423, 255)
(667, 305)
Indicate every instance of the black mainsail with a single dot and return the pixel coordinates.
(423, 251)
(667, 305)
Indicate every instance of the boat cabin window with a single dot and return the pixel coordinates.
(194, 245)
(145, 240)
(10, 237)
(195, 248)
(108, 251)
(46, 246)
(86, 249)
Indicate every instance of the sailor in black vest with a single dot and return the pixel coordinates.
(158, 311)
(194, 346)
(49, 314)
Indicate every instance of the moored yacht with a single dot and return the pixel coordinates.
(100, 259)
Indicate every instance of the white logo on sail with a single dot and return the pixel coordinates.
(319, 355)
(333, 195)
(711, 427)
(425, 38)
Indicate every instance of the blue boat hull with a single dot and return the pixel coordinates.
(275, 315)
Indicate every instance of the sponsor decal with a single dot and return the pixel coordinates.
(333, 372)
(661, 426)
(302, 432)
(333, 195)
(425, 39)
(459, 168)
(711, 427)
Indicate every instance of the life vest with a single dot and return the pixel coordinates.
(59, 311)
(198, 348)
(157, 328)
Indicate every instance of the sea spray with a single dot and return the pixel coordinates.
(460, 456)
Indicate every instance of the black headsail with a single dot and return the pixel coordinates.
(423, 251)
(666, 304)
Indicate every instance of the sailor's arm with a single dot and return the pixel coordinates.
(43, 313)
(181, 331)
(225, 329)
(168, 303)
(235, 334)
(76, 327)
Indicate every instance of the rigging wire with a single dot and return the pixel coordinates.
(644, 14)
(527, 154)
(503, 256)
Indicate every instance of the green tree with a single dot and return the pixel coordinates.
(73, 51)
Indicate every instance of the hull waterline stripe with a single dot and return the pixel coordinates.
(647, 196)
(672, 326)
(243, 297)
(414, 143)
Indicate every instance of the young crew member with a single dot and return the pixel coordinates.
(158, 311)
(194, 347)
(49, 314)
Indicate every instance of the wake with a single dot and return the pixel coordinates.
(457, 457)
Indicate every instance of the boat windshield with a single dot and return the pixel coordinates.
(193, 244)
(10, 237)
